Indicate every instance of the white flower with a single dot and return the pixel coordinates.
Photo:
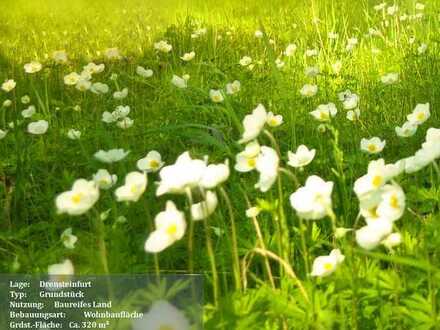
(3, 134)
(420, 6)
(309, 90)
(408, 129)
(373, 145)
(380, 6)
(369, 237)
(133, 188)
(204, 209)
(216, 96)
(71, 79)
(152, 162)
(392, 10)
(111, 156)
(109, 117)
(420, 114)
(313, 201)
(32, 67)
(179, 81)
(311, 71)
(259, 34)
(146, 73)
(99, 88)
(112, 54)
(9, 85)
(104, 180)
(60, 57)
(162, 316)
(422, 158)
(83, 85)
(422, 49)
(390, 78)
(233, 88)
(336, 67)
(253, 212)
(121, 111)
(267, 164)
(351, 101)
(93, 68)
(377, 176)
(214, 175)
(61, 271)
(188, 56)
(74, 134)
(119, 95)
(326, 265)
(324, 112)
(353, 115)
(311, 52)
(392, 204)
(302, 157)
(83, 195)
(274, 120)
(38, 127)
(28, 112)
(392, 240)
(279, 63)
(125, 123)
(69, 240)
(332, 35)
(163, 46)
(246, 160)
(253, 124)
(290, 50)
(25, 99)
(433, 135)
(7, 103)
(245, 61)
(184, 174)
(170, 227)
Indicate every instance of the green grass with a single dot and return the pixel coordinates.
(371, 290)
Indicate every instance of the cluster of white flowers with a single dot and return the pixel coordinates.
(380, 203)
(419, 115)
(119, 116)
(83, 81)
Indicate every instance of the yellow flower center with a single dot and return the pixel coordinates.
(172, 229)
(377, 181)
(76, 198)
(273, 122)
(134, 189)
(394, 202)
(420, 116)
(251, 162)
(373, 213)
(372, 148)
(323, 115)
(328, 266)
(154, 164)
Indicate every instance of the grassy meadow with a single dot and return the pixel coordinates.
(346, 236)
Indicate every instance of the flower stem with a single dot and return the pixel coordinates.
(100, 231)
(212, 261)
(236, 259)
(190, 236)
